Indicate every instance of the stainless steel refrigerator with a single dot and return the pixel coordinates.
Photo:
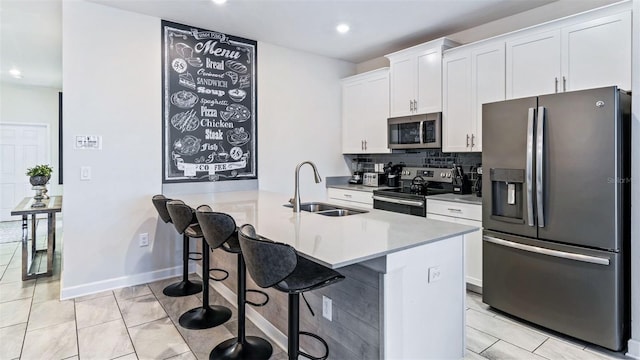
(556, 213)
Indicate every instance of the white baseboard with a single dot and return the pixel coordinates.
(116, 283)
(279, 338)
(633, 349)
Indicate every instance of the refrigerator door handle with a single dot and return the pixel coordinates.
(529, 169)
(556, 253)
(540, 165)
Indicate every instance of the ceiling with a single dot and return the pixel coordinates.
(31, 29)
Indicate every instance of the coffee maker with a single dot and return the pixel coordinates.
(477, 186)
(356, 173)
(461, 183)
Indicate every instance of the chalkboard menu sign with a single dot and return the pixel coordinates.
(209, 105)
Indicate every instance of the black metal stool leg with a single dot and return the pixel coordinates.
(242, 346)
(293, 336)
(206, 316)
(185, 287)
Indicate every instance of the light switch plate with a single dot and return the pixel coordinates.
(85, 173)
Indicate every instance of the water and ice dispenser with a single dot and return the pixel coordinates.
(508, 195)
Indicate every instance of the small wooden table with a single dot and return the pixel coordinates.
(29, 263)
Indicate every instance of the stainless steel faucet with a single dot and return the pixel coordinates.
(296, 196)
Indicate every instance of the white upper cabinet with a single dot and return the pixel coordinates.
(472, 77)
(581, 55)
(416, 78)
(533, 65)
(365, 109)
(457, 122)
(598, 53)
(487, 84)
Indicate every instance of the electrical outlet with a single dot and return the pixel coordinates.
(144, 239)
(327, 308)
(434, 274)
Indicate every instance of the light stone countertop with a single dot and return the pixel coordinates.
(331, 241)
(466, 199)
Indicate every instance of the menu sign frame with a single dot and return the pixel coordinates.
(209, 106)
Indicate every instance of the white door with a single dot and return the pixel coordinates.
(598, 53)
(456, 124)
(534, 65)
(21, 146)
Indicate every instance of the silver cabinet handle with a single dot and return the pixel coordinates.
(545, 251)
(564, 84)
(540, 165)
(529, 169)
(455, 210)
(415, 105)
(365, 144)
(347, 195)
(556, 84)
(410, 105)
(472, 142)
(467, 140)
(399, 201)
(361, 144)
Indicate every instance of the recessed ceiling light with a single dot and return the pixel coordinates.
(219, 2)
(342, 28)
(15, 73)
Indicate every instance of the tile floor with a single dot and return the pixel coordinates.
(140, 322)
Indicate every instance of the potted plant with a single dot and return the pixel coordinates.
(39, 174)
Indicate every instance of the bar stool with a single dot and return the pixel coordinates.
(186, 286)
(219, 229)
(279, 266)
(206, 316)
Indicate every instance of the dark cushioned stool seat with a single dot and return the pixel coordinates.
(206, 316)
(220, 231)
(186, 286)
(278, 265)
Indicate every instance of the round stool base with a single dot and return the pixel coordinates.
(253, 348)
(183, 288)
(205, 317)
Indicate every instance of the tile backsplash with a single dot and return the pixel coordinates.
(423, 158)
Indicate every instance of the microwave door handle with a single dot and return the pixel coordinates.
(540, 165)
(422, 133)
(529, 169)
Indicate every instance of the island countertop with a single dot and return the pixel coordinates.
(331, 241)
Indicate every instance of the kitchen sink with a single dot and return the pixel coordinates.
(341, 212)
(327, 209)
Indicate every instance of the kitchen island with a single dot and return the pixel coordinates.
(403, 296)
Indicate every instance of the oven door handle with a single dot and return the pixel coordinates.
(399, 201)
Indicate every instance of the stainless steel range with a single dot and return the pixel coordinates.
(415, 185)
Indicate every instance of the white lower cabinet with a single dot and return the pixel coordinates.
(363, 199)
(465, 214)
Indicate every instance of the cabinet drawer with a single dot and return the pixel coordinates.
(459, 210)
(364, 197)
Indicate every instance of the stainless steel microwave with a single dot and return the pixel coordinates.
(415, 132)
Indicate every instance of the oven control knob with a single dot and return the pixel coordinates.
(442, 174)
(449, 175)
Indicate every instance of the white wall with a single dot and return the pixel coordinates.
(634, 343)
(299, 118)
(112, 85)
(26, 104)
(111, 77)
